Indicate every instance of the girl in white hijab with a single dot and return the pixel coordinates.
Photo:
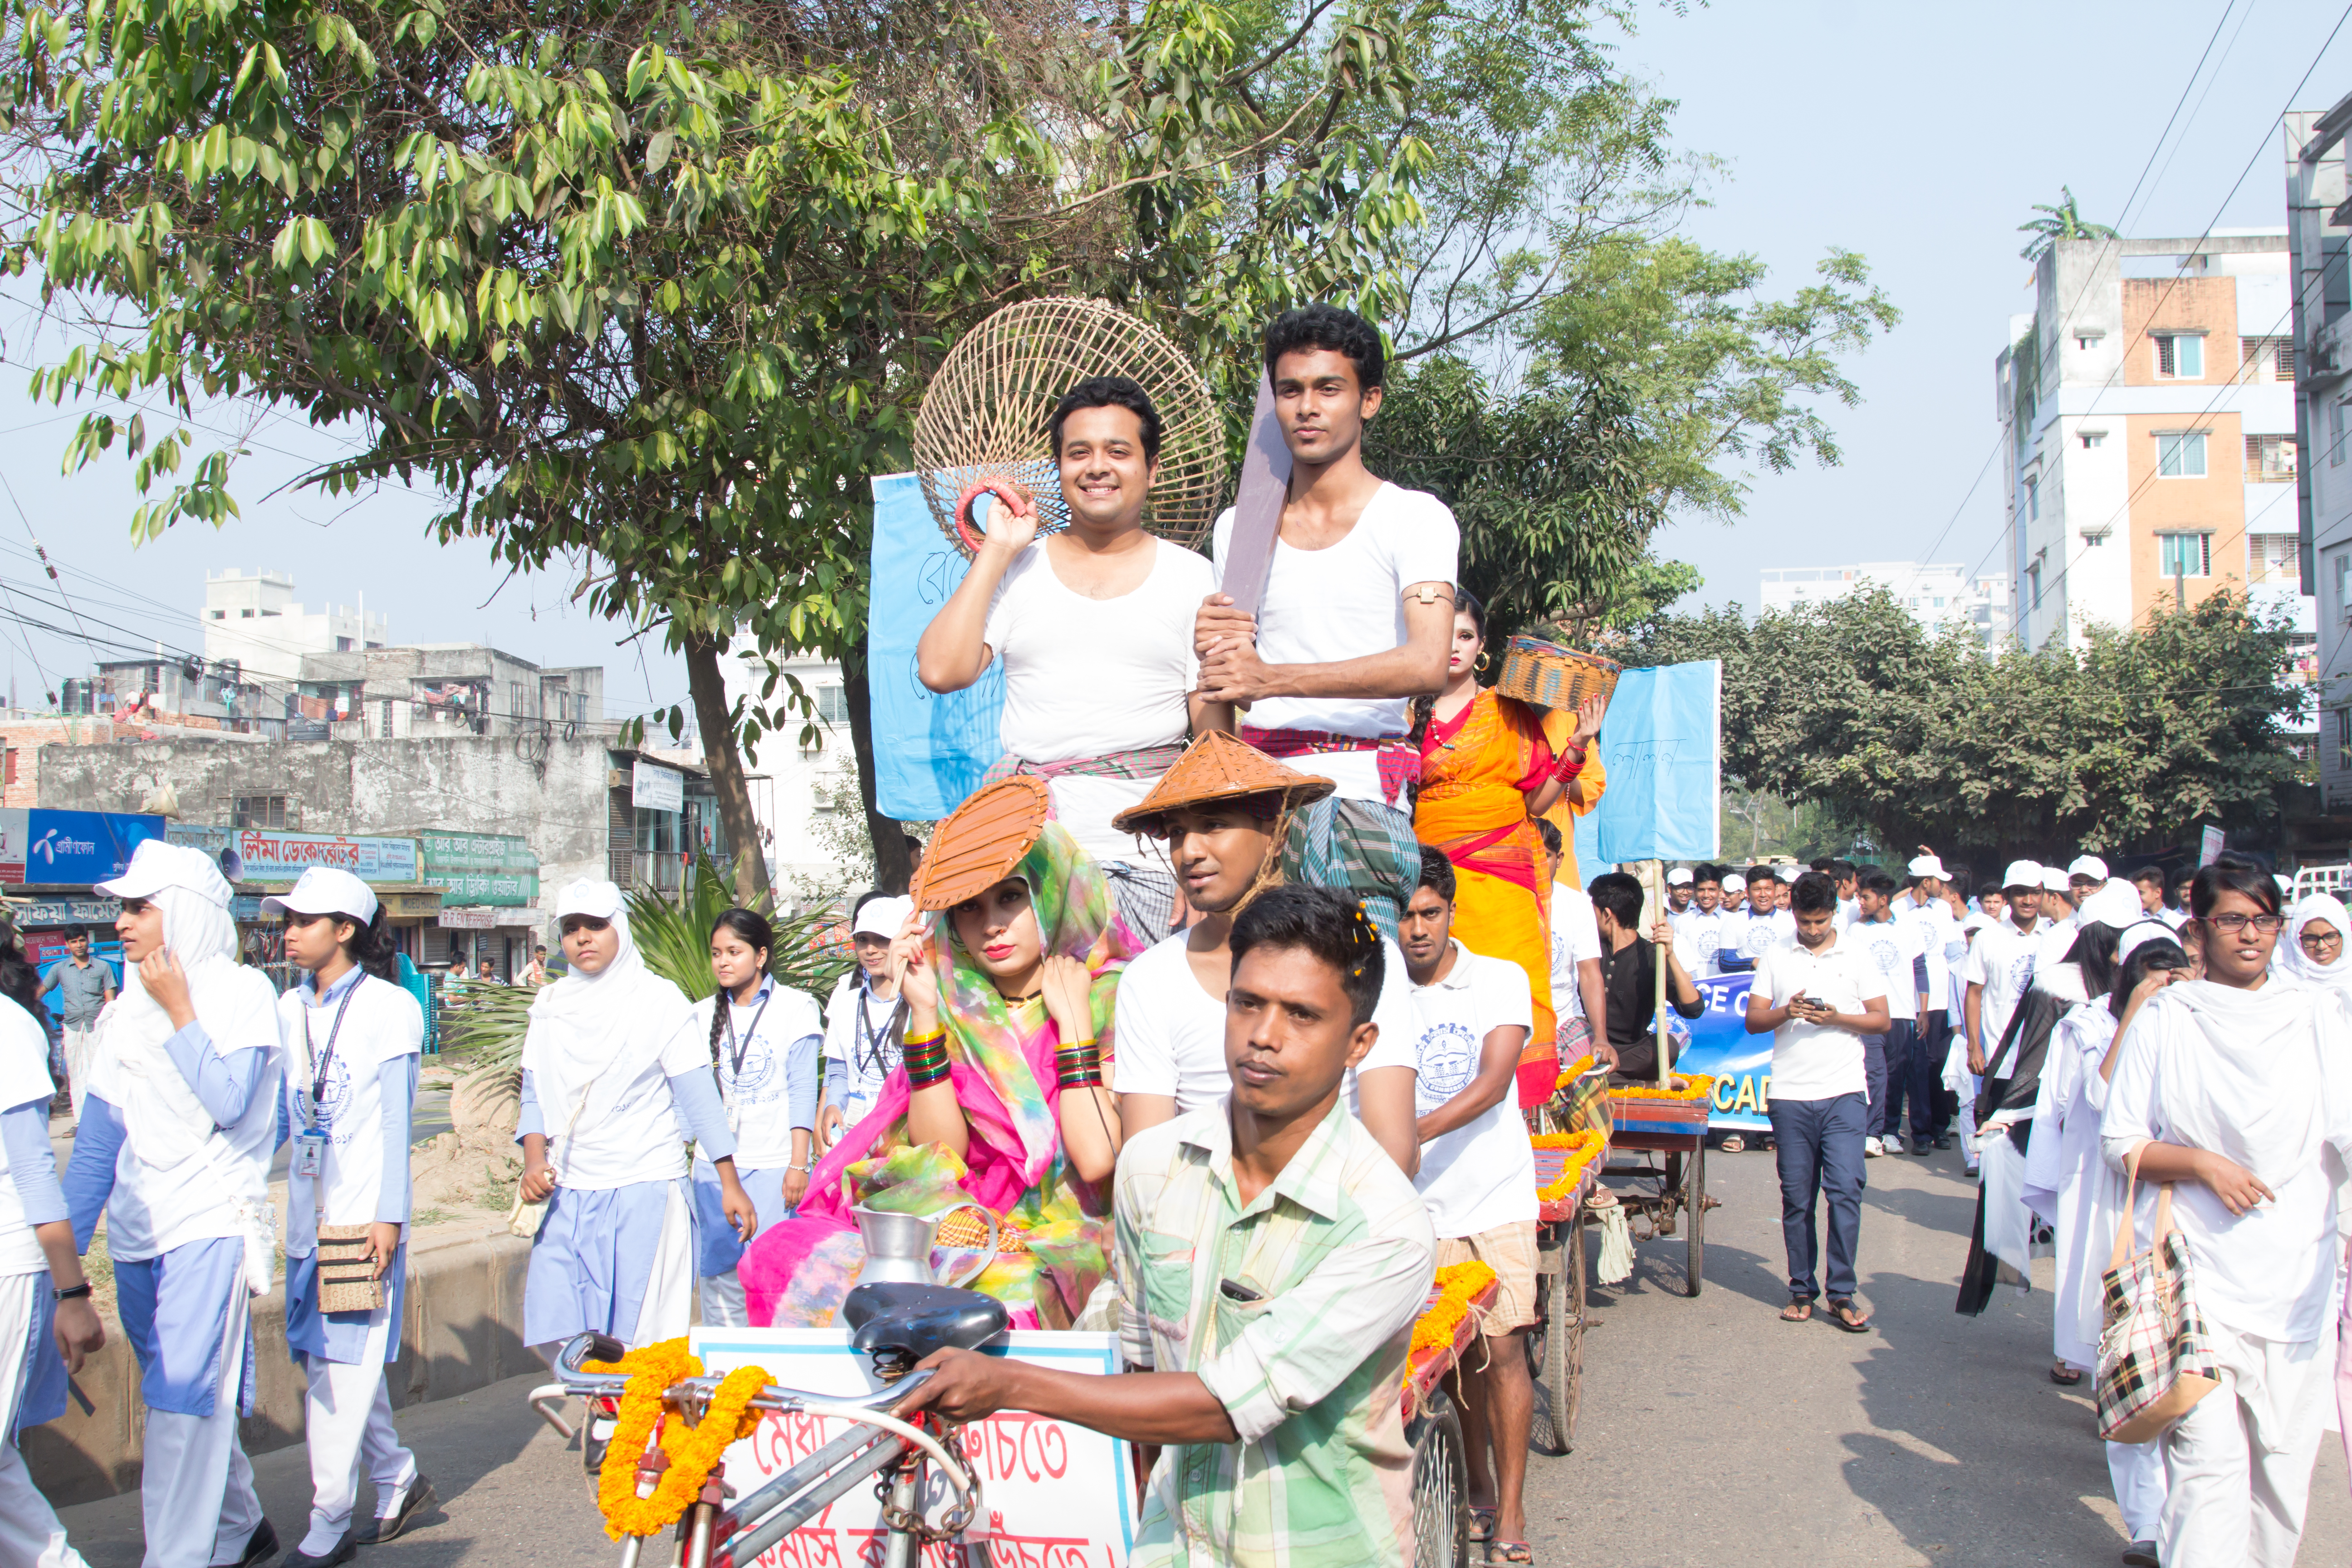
(615, 1078)
(174, 1147)
(2312, 951)
(2237, 1088)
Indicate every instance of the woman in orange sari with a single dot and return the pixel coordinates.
(1487, 772)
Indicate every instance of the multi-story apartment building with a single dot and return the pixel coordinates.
(2319, 225)
(1937, 595)
(2149, 414)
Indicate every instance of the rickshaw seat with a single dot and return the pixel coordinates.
(914, 1321)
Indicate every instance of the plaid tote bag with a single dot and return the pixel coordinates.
(2154, 1357)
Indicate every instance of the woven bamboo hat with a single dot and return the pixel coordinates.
(1218, 767)
(977, 845)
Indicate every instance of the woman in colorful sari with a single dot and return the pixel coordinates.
(1487, 772)
(1001, 1099)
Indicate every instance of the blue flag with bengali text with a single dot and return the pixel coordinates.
(929, 750)
(1663, 744)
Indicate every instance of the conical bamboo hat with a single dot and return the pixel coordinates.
(1219, 767)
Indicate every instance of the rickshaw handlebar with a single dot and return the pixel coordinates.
(584, 1348)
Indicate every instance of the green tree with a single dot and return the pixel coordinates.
(1924, 737)
(2062, 221)
(647, 292)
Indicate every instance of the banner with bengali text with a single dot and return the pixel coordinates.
(1718, 1044)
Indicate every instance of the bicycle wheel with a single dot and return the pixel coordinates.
(1555, 1345)
(1440, 1486)
(1695, 1206)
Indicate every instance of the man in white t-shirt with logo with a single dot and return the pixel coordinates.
(1896, 950)
(1817, 998)
(1358, 613)
(1998, 968)
(1102, 597)
(1678, 892)
(1734, 893)
(1220, 812)
(1706, 927)
(1919, 1073)
(1478, 1174)
(1764, 924)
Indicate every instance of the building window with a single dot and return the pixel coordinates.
(2273, 558)
(2034, 498)
(11, 765)
(219, 615)
(2093, 440)
(514, 700)
(2089, 340)
(832, 704)
(244, 615)
(2181, 454)
(2185, 554)
(262, 811)
(2344, 740)
(2266, 359)
(2094, 539)
(2270, 459)
(2335, 433)
(2180, 356)
(2034, 582)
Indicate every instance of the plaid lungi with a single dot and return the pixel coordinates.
(1358, 847)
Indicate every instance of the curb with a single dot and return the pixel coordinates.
(461, 1329)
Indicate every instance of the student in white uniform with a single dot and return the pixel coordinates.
(1998, 968)
(46, 1322)
(1219, 811)
(2236, 1088)
(764, 1047)
(615, 1078)
(1102, 596)
(174, 1147)
(1471, 1017)
(1706, 928)
(1891, 948)
(865, 1020)
(352, 1039)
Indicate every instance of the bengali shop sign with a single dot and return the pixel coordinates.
(284, 857)
(1718, 1044)
(1053, 1495)
(480, 868)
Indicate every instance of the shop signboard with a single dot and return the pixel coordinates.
(653, 787)
(480, 868)
(284, 857)
(412, 906)
(16, 822)
(31, 914)
(81, 847)
(483, 918)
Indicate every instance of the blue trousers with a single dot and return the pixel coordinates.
(1819, 1154)
(1905, 1054)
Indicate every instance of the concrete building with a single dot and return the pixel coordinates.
(1937, 595)
(251, 619)
(2148, 409)
(441, 690)
(2319, 223)
(804, 785)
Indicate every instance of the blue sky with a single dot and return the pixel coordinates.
(1919, 135)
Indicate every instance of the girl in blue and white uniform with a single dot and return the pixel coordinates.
(764, 1043)
(615, 1078)
(46, 1324)
(352, 1043)
(175, 1148)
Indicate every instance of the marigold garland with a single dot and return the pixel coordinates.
(1573, 1070)
(1697, 1086)
(1583, 1149)
(1458, 1284)
(693, 1451)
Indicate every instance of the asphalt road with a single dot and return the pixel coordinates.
(1712, 1433)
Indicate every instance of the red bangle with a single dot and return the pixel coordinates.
(1566, 767)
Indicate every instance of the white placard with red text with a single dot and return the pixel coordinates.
(1053, 1495)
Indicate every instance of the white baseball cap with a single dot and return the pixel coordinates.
(326, 890)
(2286, 882)
(2117, 903)
(1734, 883)
(156, 865)
(2142, 932)
(1928, 865)
(2021, 874)
(882, 917)
(2088, 866)
(2053, 879)
(1679, 877)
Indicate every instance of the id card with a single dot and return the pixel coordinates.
(309, 1157)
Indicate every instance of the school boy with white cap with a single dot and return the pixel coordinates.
(1735, 892)
(1680, 888)
(864, 1021)
(175, 1148)
(353, 1036)
(2000, 967)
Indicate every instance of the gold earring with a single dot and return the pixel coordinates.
(1480, 662)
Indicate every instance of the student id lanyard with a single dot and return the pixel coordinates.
(736, 1050)
(867, 1045)
(311, 1143)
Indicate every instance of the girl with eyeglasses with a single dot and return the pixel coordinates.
(2311, 953)
(2237, 1088)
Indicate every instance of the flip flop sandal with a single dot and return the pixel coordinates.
(1509, 1551)
(1734, 1144)
(1482, 1526)
(2065, 1376)
(1843, 1313)
(1797, 1312)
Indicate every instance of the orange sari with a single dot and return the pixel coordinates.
(1476, 772)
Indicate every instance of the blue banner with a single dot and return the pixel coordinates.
(1717, 1043)
(929, 751)
(1661, 742)
(83, 846)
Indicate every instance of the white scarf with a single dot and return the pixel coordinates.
(2300, 966)
(2252, 1089)
(592, 1035)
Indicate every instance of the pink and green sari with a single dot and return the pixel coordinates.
(1001, 1055)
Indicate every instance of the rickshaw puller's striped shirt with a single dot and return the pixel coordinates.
(1340, 1250)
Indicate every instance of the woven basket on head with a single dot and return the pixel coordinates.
(984, 415)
